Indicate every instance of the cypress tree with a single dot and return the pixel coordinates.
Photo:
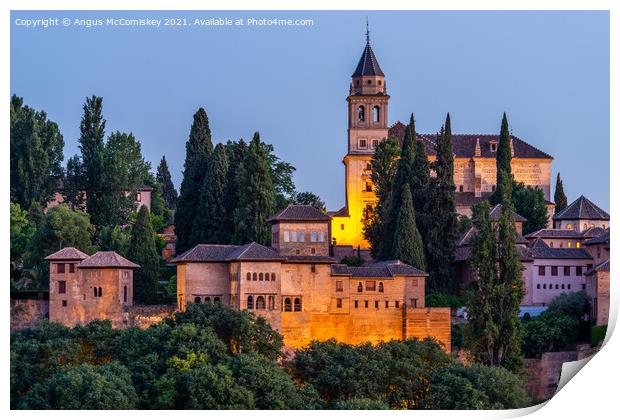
(198, 149)
(92, 148)
(402, 178)
(142, 251)
(559, 196)
(163, 177)
(209, 223)
(257, 198)
(502, 162)
(407, 239)
(442, 227)
(236, 152)
(420, 180)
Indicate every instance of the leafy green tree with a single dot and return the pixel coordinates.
(211, 214)
(106, 387)
(198, 149)
(384, 163)
(282, 177)
(114, 238)
(530, 203)
(165, 179)
(575, 305)
(408, 245)
(22, 231)
(464, 224)
(503, 163)
(561, 202)
(550, 331)
(308, 198)
(142, 251)
(73, 187)
(36, 154)
(361, 404)
(257, 199)
(442, 300)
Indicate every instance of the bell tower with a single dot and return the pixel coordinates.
(368, 125)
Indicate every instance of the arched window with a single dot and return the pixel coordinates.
(266, 276)
(272, 303)
(197, 299)
(250, 302)
(380, 287)
(260, 302)
(273, 276)
(260, 276)
(297, 304)
(375, 114)
(95, 291)
(585, 226)
(360, 288)
(249, 276)
(287, 304)
(207, 299)
(361, 114)
(125, 294)
(254, 276)
(568, 226)
(100, 292)
(216, 299)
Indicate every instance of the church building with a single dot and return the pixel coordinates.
(474, 156)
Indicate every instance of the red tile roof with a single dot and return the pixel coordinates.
(107, 259)
(68, 253)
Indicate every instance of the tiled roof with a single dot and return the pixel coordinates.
(467, 236)
(602, 239)
(555, 233)
(582, 208)
(462, 253)
(469, 198)
(464, 145)
(343, 212)
(496, 213)
(299, 213)
(107, 259)
(593, 232)
(225, 253)
(604, 266)
(68, 253)
(384, 269)
(539, 249)
(309, 259)
(368, 64)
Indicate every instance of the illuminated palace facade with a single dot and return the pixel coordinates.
(474, 155)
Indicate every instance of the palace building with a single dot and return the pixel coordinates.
(474, 155)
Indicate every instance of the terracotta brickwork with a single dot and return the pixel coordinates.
(27, 313)
(431, 322)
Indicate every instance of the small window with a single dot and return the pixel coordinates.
(297, 304)
(361, 113)
(260, 276)
(138, 196)
(100, 294)
(579, 270)
(294, 236)
(64, 303)
(551, 244)
(585, 226)
(363, 143)
(460, 188)
(583, 287)
(567, 271)
(563, 286)
(545, 286)
(557, 287)
(321, 236)
(71, 268)
(313, 268)
(287, 305)
(254, 276)
(368, 187)
(554, 270)
(207, 300)
(376, 304)
(338, 303)
(342, 226)
(356, 304)
(365, 304)
(569, 226)
(260, 302)
(197, 299)
(578, 244)
(62, 287)
(125, 294)
(273, 276)
(272, 303)
(493, 146)
(397, 304)
(541, 270)
(216, 300)
(360, 288)
(94, 291)
(380, 287)
(339, 287)
(60, 268)
(387, 304)
(375, 143)
(538, 286)
(375, 114)
(248, 276)
(568, 286)
(286, 236)
(312, 250)
(250, 302)
(414, 303)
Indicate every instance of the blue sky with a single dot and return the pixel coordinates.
(548, 70)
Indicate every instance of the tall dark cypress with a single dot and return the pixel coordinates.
(143, 252)
(559, 196)
(402, 178)
(209, 223)
(408, 245)
(198, 149)
(163, 177)
(92, 147)
(236, 152)
(441, 231)
(257, 198)
(503, 159)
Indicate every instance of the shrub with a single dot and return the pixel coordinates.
(598, 334)
(443, 300)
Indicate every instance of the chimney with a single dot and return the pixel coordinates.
(477, 151)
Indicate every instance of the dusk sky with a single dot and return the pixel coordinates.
(548, 70)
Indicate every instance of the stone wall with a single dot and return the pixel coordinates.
(429, 322)
(144, 316)
(26, 313)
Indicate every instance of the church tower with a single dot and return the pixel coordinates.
(368, 125)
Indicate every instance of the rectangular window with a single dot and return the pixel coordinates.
(356, 303)
(397, 304)
(321, 236)
(579, 270)
(62, 287)
(568, 286)
(387, 304)
(64, 303)
(313, 236)
(302, 236)
(538, 286)
(414, 303)
(557, 287)
(72, 268)
(365, 304)
(338, 303)
(138, 197)
(554, 270)
(342, 226)
(363, 144)
(567, 270)
(583, 287)
(376, 304)
(294, 236)
(545, 286)
(339, 286)
(60, 268)
(286, 237)
(368, 187)
(562, 286)
(541, 270)
(375, 143)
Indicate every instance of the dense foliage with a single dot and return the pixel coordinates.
(214, 357)
(559, 196)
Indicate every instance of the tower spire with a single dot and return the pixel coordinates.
(367, 32)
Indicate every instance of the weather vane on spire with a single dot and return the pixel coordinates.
(367, 31)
